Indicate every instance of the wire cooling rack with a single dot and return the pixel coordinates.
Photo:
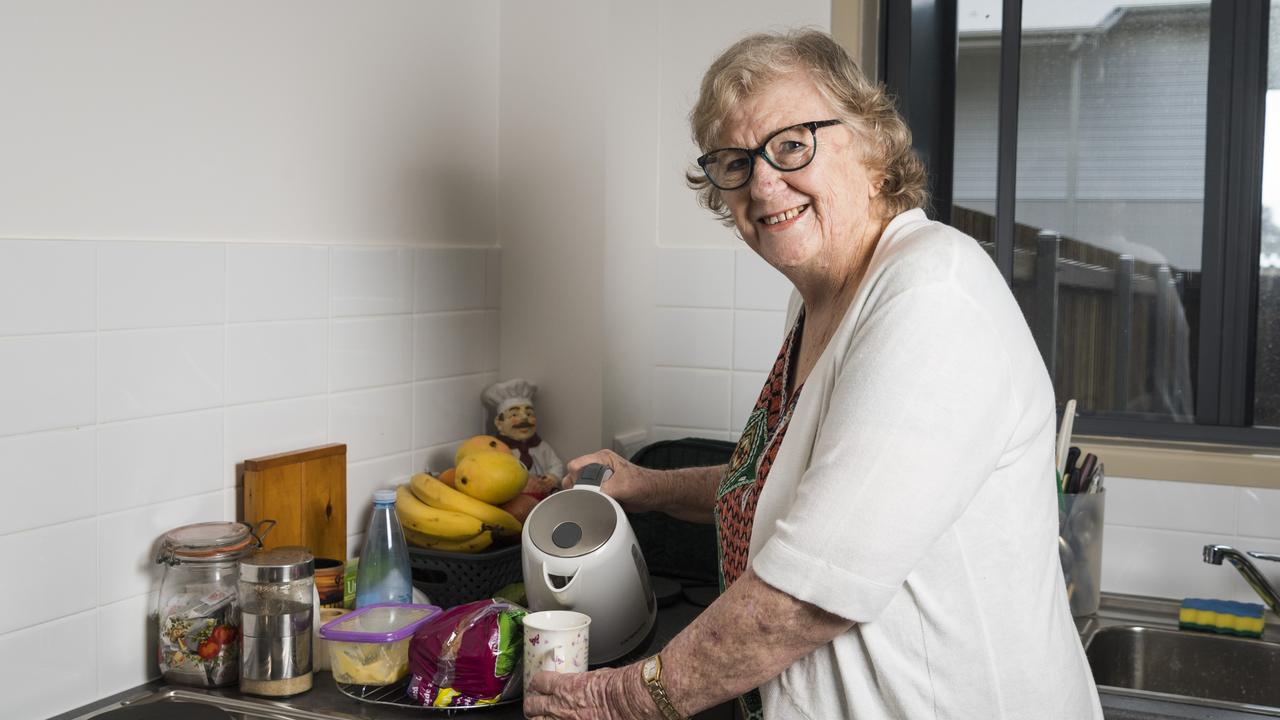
(397, 695)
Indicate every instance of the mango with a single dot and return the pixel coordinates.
(479, 443)
(447, 477)
(493, 477)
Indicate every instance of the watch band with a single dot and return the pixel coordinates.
(652, 673)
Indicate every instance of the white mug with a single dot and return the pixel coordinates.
(555, 640)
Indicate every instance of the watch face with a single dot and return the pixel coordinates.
(650, 669)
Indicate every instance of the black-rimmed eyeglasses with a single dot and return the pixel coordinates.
(788, 149)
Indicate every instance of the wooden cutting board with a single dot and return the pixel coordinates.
(305, 492)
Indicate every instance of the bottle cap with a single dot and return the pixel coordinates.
(384, 496)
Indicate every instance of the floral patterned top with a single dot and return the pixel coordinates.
(736, 497)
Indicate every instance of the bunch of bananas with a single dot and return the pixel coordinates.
(438, 517)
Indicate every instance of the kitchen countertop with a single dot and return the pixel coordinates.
(326, 701)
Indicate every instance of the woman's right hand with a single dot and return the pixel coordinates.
(634, 487)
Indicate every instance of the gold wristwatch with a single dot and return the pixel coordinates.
(652, 673)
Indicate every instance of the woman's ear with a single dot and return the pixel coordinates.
(876, 185)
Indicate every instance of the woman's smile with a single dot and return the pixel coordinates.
(779, 221)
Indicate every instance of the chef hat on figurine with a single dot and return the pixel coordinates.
(503, 396)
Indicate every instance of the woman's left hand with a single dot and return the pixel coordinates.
(605, 694)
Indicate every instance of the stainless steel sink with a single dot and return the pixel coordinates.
(1134, 648)
(1199, 665)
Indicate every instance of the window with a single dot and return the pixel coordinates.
(1108, 156)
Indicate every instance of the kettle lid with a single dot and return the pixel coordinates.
(572, 523)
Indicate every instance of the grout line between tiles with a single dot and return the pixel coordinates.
(97, 422)
(60, 618)
(328, 396)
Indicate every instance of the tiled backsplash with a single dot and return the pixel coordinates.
(719, 324)
(719, 327)
(1156, 531)
(134, 376)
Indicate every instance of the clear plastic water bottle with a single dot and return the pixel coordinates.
(383, 573)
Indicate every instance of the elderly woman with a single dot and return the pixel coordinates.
(887, 524)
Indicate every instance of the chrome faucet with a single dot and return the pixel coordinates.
(1213, 554)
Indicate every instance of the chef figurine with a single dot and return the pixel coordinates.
(517, 424)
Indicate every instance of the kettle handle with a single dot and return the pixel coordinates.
(593, 476)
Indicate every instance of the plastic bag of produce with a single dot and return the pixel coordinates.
(468, 655)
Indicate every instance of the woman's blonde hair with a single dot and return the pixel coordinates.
(754, 62)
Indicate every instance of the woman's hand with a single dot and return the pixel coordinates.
(637, 489)
(605, 694)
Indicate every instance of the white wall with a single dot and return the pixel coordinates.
(226, 230)
(551, 214)
(283, 121)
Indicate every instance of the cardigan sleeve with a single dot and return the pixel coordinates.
(915, 422)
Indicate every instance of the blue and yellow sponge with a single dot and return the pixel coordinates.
(1222, 616)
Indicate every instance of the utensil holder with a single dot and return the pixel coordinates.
(1080, 526)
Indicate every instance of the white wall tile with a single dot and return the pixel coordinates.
(451, 343)
(493, 278)
(46, 382)
(233, 503)
(1190, 507)
(153, 372)
(273, 361)
(435, 459)
(448, 410)
(365, 477)
(1259, 512)
(694, 277)
(48, 478)
(269, 428)
(127, 543)
(1163, 563)
(372, 423)
(371, 281)
(56, 580)
(142, 462)
(127, 637)
(277, 282)
(354, 544)
(371, 351)
(757, 338)
(492, 340)
(47, 287)
(746, 390)
(50, 668)
(160, 284)
(449, 279)
(693, 337)
(691, 398)
(757, 285)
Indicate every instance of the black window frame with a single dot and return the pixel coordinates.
(916, 59)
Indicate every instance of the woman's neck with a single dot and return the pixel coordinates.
(827, 290)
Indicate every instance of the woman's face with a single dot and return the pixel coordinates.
(832, 194)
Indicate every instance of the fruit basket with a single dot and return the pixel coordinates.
(453, 578)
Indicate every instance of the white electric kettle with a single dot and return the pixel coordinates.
(581, 554)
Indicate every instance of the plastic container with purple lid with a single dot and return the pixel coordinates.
(371, 645)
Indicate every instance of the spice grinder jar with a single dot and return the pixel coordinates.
(276, 588)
